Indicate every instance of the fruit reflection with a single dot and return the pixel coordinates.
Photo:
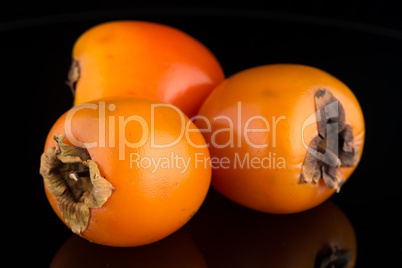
(177, 250)
(232, 236)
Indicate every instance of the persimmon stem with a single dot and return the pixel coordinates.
(73, 175)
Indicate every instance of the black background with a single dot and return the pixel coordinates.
(359, 42)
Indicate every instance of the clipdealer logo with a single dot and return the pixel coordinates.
(239, 132)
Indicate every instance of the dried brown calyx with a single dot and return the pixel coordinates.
(333, 147)
(331, 257)
(73, 75)
(71, 175)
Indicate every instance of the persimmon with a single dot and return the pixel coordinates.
(123, 172)
(284, 137)
(143, 59)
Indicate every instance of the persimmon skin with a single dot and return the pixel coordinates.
(146, 60)
(284, 94)
(146, 205)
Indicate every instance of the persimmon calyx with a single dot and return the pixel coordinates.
(70, 174)
(334, 257)
(333, 147)
(73, 75)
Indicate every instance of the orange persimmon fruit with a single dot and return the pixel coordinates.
(284, 137)
(146, 60)
(123, 172)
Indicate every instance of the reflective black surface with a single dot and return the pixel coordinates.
(36, 56)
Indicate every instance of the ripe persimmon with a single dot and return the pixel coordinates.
(121, 172)
(284, 137)
(146, 60)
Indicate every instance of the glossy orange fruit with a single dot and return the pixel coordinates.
(124, 171)
(143, 59)
(283, 137)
